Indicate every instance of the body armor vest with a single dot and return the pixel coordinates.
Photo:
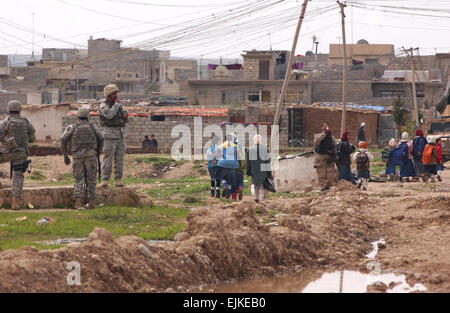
(18, 128)
(83, 137)
(117, 121)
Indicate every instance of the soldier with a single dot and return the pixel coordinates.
(325, 158)
(113, 119)
(15, 133)
(85, 140)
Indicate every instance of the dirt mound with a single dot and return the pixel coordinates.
(219, 244)
(432, 204)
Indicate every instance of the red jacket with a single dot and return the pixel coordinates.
(439, 158)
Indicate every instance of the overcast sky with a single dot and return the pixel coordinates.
(189, 29)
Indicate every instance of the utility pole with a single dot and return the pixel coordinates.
(413, 77)
(32, 52)
(344, 84)
(288, 70)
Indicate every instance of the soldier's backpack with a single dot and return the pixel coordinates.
(362, 161)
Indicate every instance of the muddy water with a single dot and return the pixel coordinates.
(334, 282)
(327, 282)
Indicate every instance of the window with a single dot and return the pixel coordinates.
(253, 96)
(118, 75)
(158, 118)
(264, 69)
(127, 75)
(137, 75)
(391, 93)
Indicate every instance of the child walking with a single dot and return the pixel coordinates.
(429, 159)
(213, 169)
(362, 158)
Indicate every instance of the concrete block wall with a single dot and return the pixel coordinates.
(313, 119)
(5, 97)
(138, 127)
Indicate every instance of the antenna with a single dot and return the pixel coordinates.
(270, 40)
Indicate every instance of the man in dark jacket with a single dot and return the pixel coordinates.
(419, 144)
(344, 150)
(361, 135)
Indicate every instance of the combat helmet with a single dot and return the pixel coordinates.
(14, 106)
(109, 89)
(83, 112)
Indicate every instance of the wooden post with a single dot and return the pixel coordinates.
(344, 79)
(413, 74)
(288, 71)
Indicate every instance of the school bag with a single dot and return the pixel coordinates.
(405, 150)
(427, 154)
(386, 155)
(362, 161)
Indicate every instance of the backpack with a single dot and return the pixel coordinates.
(418, 146)
(427, 154)
(386, 155)
(405, 150)
(362, 161)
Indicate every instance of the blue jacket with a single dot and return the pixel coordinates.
(418, 145)
(396, 157)
(211, 155)
(228, 155)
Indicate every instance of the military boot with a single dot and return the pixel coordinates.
(91, 204)
(118, 182)
(16, 203)
(79, 204)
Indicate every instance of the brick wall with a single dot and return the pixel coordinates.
(331, 91)
(138, 127)
(3, 61)
(5, 97)
(313, 119)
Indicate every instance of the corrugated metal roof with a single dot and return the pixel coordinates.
(181, 111)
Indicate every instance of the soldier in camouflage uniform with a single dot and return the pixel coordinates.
(15, 133)
(113, 119)
(85, 140)
(325, 158)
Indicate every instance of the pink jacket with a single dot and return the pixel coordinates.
(410, 148)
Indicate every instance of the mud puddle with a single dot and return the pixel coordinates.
(330, 282)
(335, 282)
(62, 241)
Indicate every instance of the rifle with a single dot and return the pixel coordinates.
(99, 165)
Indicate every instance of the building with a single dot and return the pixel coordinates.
(63, 55)
(361, 52)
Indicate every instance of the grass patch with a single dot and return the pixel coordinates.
(147, 223)
(37, 175)
(181, 191)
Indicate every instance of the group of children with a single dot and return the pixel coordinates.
(226, 165)
(421, 157)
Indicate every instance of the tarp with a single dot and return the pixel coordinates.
(359, 106)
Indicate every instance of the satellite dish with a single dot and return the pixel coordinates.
(362, 42)
(308, 53)
(375, 70)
